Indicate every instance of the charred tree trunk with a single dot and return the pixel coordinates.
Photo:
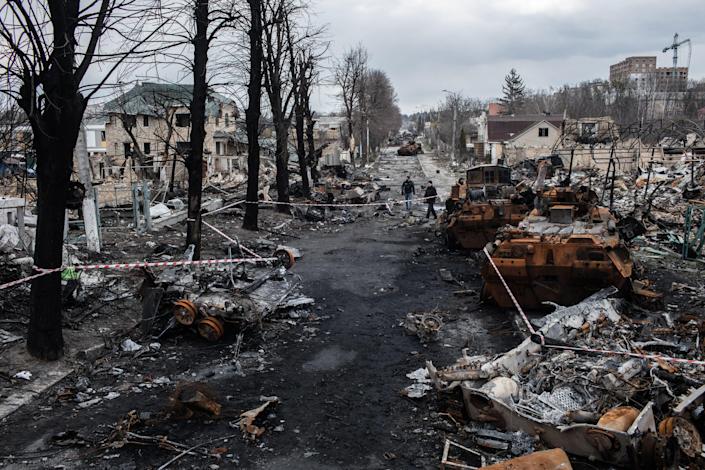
(282, 156)
(55, 132)
(54, 138)
(301, 147)
(194, 161)
(252, 115)
(310, 140)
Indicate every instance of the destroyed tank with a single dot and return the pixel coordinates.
(409, 150)
(478, 208)
(561, 258)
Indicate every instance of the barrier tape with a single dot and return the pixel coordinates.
(393, 202)
(606, 352)
(511, 295)
(138, 265)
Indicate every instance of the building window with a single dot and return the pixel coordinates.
(217, 148)
(589, 129)
(102, 136)
(543, 131)
(147, 148)
(145, 121)
(183, 120)
(227, 119)
(126, 149)
(183, 148)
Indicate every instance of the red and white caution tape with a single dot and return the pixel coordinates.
(387, 202)
(164, 264)
(606, 352)
(138, 265)
(511, 295)
(18, 282)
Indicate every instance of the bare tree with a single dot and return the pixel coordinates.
(278, 85)
(285, 29)
(304, 67)
(462, 108)
(47, 49)
(381, 112)
(349, 73)
(197, 28)
(301, 67)
(252, 115)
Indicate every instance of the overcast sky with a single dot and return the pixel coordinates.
(469, 45)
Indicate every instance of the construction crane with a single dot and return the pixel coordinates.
(675, 47)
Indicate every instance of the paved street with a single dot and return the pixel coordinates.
(338, 375)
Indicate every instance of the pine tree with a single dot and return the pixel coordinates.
(513, 90)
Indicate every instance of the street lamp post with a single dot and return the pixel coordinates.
(454, 103)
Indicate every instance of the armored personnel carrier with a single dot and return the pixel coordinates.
(485, 202)
(558, 256)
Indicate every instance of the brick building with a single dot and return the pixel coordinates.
(644, 73)
(151, 123)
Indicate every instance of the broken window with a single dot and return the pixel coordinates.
(217, 148)
(543, 131)
(474, 176)
(102, 136)
(147, 148)
(183, 120)
(129, 121)
(183, 148)
(589, 129)
(126, 149)
(145, 121)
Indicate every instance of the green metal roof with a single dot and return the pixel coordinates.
(151, 98)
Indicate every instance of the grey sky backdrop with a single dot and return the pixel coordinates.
(469, 45)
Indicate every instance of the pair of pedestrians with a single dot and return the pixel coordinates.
(430, 195)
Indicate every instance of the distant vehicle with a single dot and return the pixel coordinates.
(410, 149)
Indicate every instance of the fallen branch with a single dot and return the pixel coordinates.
(191, 449)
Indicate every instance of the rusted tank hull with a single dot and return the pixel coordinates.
(476, 223)
(563, 273)
(409, 150)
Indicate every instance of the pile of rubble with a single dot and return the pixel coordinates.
(594, 382)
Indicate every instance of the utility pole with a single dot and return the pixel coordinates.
(455, 125)
(90, 207)
(454, 98)
(367, 160)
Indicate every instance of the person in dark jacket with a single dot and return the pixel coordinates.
(430, 195)
(408, 190)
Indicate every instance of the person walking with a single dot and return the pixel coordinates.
(408, 190)
(431, 195)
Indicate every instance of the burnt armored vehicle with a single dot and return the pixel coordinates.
(561, 255)
(476, 209)
(410, 149)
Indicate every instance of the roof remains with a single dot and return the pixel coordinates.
(503, 128)
(150, 99)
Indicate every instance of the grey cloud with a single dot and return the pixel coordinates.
(469, 45)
